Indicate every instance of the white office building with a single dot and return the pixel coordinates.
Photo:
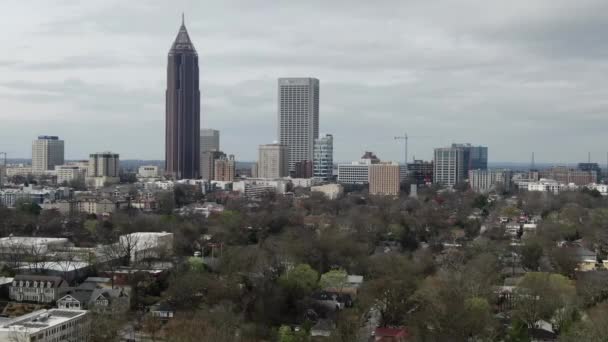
(148, 171)
(273, 161)
(546, 185)
(354, 173)
(52, 325)
(47, 152)
(68, 173)
(298, 117)
(323, 157)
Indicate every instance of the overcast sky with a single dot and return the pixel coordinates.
(517, 76)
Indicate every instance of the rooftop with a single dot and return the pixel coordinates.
(41, 319)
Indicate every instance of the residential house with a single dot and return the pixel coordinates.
(163, 310)
(37, 288)
(91, 297)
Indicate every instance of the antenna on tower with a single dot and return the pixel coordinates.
(589, 157)
(183, 19)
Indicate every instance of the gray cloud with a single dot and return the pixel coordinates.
(516, 76)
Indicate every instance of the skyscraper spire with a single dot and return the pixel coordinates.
(182, 41)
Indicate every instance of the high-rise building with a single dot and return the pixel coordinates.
(323, 157)
(182, 126)
(303, 169)
(449, 167)
(104, 164)
(298, 114)
(47, 152)
(273, 161)
(475, 157)
(225, 169)
(103, 169)
(208, 159)
(384, 179)
(210, 140)
(420, 171)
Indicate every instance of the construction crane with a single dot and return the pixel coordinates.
(405, 138)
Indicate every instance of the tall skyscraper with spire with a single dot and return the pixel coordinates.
(183, 117)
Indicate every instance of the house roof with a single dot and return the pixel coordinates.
(391, 332)
(55, 281)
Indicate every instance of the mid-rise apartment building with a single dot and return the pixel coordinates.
(384, 179)
(224, 169)
(273, 161)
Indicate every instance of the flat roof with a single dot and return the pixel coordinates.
(41, 319)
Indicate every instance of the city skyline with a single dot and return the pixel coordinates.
(504, 82)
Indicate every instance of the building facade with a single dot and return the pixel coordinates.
(69, 173)
(323, 157)
(298, 117)
(303, 169)
(475, 157)
(225, 169)
(208, 159)
(47, 326)
(331, 191)
(210, 139)
(148, 171)
(47, 152)
(384, 179)
(420, 171)
(565, 175)
(37, 288)
(449, 166)
(104, 164)
(273, 161)
(487, 180)
(182, 121)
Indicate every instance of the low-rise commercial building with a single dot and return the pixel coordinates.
(331, 191)
(47, 326)
(69, 173)
(148, 171)
(565, 175)
(147, 245)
